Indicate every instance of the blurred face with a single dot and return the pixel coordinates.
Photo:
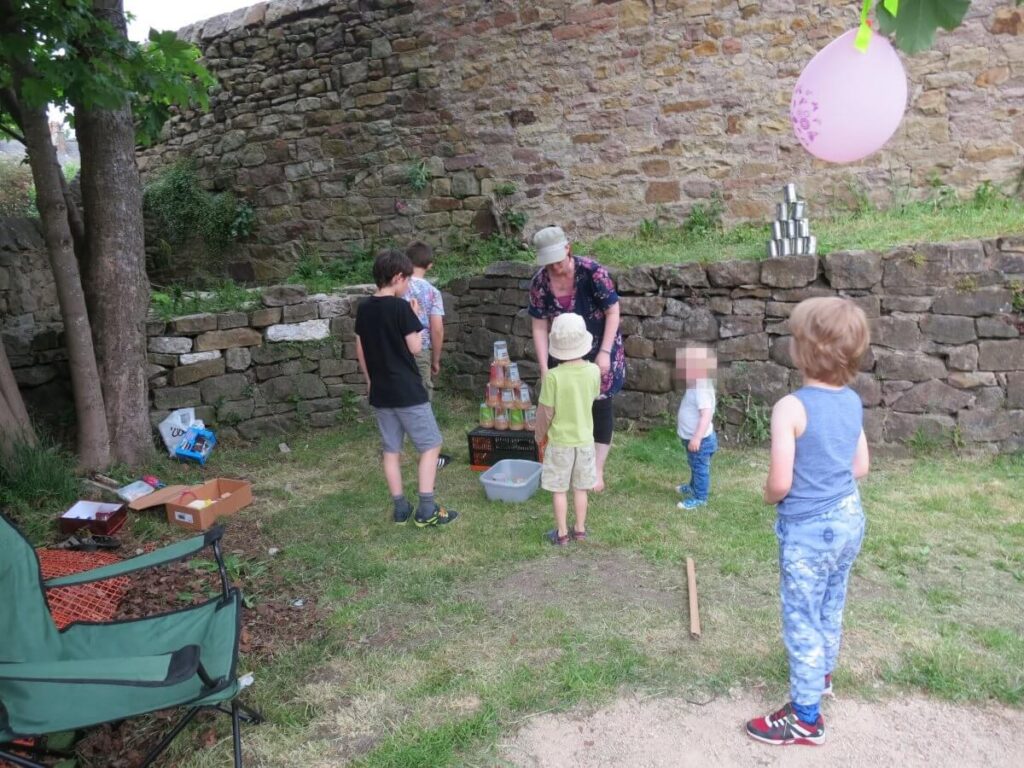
(693, 363)
(563, 268)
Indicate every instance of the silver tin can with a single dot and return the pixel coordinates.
(781, 211)
(798, 209)
(803, 228)
(799, 246)
(791, 229)
(773, 249)
(778, 230)
(785, 249)
(811, 244)
(789, 193)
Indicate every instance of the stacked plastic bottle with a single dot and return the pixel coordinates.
(507, 403)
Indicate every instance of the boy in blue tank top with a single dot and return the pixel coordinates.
(818, 452)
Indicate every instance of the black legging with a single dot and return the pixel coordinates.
(604, 420)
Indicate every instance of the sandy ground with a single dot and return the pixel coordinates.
(659, 733)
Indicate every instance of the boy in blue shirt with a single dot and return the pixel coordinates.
(818, 453)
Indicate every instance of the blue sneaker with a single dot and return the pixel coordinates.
(692, 503)
(685, 489)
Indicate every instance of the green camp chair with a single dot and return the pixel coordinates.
(91, 673)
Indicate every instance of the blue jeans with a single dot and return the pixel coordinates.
(815, 558)
(700, 465)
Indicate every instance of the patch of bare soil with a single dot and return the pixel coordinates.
(613, 577)
(664, 733)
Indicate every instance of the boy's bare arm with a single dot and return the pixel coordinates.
(544, 415)
(414, 341)
(436, 340)
(862, 458)
(786, 418)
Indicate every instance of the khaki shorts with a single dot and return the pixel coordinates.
(423, 363)
(566, 468)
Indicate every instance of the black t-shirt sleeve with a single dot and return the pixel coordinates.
(407, 320)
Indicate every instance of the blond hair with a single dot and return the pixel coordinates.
(830, 337)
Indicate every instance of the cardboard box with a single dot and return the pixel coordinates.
(158, 498)
(228, 497)
(102, 519)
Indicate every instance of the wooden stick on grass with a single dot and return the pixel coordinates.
(691, 581)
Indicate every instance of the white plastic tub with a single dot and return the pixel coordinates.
(512, 480)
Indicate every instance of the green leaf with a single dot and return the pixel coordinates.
(914, 27)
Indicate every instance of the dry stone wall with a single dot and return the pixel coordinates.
(946, 359)
(288, 363)
(603, 113)
(30, 323)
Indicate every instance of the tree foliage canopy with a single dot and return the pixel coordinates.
(915, 22)
(69, 55)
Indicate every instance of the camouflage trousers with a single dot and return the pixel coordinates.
(815, 558)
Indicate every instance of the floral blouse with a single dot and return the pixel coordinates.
(593, 295)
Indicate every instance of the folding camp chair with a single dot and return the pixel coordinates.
(91, 673)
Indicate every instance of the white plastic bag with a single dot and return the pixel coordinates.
(174, 427)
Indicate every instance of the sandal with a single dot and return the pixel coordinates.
(579, 535)
(443, 460)
(556, 540)
(88, 542)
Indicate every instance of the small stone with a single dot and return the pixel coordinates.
(283, 295)
(261, 318)
(311, 330)
(853, 269)
(297, 313)
(283, 448)
(1001, 355)
(236, 337)
(198, 357)
(194, 323)
(230, 320)
(789, 271)
(170, 345)
(334, 306)
(190, 374)
(238, 358)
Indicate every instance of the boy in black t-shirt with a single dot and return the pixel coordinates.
(388, 336)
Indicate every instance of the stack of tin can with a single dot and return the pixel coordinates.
(791, 230)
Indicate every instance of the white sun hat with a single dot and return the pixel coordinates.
(550, 243)
(569, 338)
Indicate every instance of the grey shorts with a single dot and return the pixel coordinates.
(416, 421)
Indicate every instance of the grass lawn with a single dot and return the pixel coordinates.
(442, 641)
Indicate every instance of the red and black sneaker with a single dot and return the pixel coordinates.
(784, 727)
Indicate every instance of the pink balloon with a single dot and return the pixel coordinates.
(847, 104)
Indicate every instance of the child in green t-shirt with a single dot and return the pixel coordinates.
(565, 422)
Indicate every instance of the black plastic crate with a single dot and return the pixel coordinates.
(489, 446)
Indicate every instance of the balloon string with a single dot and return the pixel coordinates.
(864, 32)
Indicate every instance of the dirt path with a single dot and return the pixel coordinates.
(660, 733)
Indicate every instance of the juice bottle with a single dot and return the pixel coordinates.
(497, 373)
(513, 374)
(500, 418)
(530, 418)
(486, 416)
(501, 352)
(524, 395)
(508, 398)
(516, 422)
(493, 395)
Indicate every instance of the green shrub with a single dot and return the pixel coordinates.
(184, 210)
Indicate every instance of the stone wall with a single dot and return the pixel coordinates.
(30, 323)
(603, 113)
(946, 359)
(288, 363)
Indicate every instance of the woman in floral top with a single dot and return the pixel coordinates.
(567, 283)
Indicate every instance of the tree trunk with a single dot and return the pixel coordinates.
(93, 437)
(15, 426)
(115, 279)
